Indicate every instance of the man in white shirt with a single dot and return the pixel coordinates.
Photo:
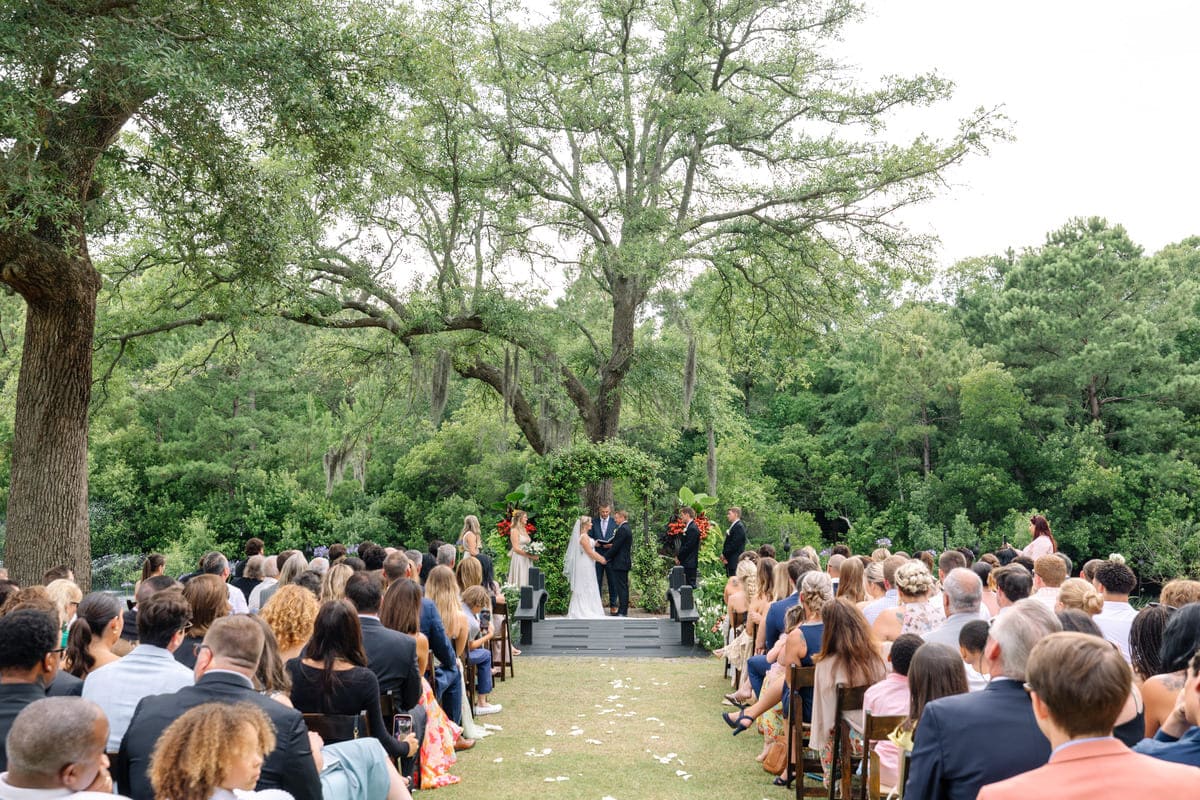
(216, 564)
(48, 759)
(270, 578)
(1115, 581)
(1049, 572)
(150, 668)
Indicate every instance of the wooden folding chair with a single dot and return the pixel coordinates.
(875, 730)
(808, 761)
(470, 676)
(849, 698)
(503, 657)
(338, 727)
(390, 707)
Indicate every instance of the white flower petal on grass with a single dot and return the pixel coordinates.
(593, 741)
(655, 737)
(488, 726)
(546, 751)
(653, 719)
(549, 733)
(497, 760)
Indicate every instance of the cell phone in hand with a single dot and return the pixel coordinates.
(402, 725)
(485, 620)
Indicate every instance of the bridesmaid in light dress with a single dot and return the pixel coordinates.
(518, 568)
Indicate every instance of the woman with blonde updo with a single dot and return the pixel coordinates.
(873, 583)
(915, 614)
(291, 614)
(1080, 594)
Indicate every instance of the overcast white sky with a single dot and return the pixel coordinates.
(1103, 97)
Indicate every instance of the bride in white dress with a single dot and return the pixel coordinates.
(579, 567)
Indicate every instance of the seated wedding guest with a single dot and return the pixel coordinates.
(333, 582)
(35, 598)
(1078, 685)
(479, 646)
(954, 751)
(332, 677)
(29, 659)
(319, 565)
(1116, 581)
(372, 556)
(7, 589)
(271, 677)
(217, 564)
(337, 552)
(948, 561)
(1088, 570)
(756, 613)
(225, 669)
(873, 585)
(56, 750)
(311, 581)
(96, 630)
(1131, 724)
(1013, 583)
(216, 752)
(60, 573)
(849, 655)
(891, 597)
(1180, 641)
(291, 614)
(1079, 594)
(834, 568)
(915, 613)
(207, 596)
(400, 612)
(253, 571)
(270, 576)
(1179, 592)
(146, 589)
(150, 668)
(66, 596)
(850, 581)
(766, 551)
(961, 595)
(153, 565)
(291, 564)
(468, 572)
(773, 626)
(446, 555)
(1049, 572)
(391, 655)
(889, 697)
(784, 580)
(1178, 739)
(972, 640)
(933, 673)
(1145, 640)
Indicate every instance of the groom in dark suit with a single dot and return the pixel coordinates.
(619, 563)
(688, 555)
(602, 532)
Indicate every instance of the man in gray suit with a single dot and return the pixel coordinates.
(962, 592)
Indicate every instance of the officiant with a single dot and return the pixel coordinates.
(604, 527)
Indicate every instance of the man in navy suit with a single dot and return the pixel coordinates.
(619, 563)
(689, 546)
(604, 528)
(225, 670)
(968, 740)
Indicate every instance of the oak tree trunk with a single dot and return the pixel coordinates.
(48, 496)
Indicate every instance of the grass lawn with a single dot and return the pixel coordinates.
(604, 728)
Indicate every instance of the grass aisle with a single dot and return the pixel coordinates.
(596, 728)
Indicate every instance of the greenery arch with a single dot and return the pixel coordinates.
(561, 477)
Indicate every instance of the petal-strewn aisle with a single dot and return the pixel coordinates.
(626, 729)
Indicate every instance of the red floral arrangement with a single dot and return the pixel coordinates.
(504, 526)
(678, 526)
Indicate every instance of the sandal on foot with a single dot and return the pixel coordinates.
(736, 724)
(786, 779)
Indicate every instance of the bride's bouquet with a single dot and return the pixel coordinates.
(535, 548)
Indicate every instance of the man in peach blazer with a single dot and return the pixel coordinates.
(1078, 684)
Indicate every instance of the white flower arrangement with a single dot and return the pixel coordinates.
(535, 548)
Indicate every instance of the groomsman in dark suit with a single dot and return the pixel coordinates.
(735, 540)
(602, 532)
(619, 562)
(688, 555)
